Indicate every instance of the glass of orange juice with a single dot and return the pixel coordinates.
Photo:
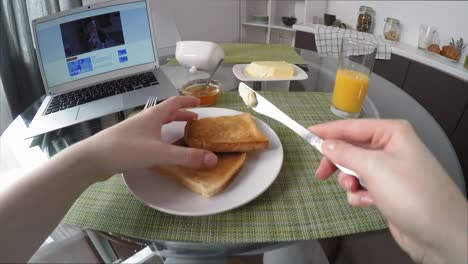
(355, 65)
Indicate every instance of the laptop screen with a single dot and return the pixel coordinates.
(97, 41)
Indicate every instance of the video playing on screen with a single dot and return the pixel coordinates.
(92, 33)
(97, 41)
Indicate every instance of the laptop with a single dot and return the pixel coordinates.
(96, 60)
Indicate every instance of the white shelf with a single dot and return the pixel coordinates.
(453, 68)
(268, 26)
(282, 27)
(276, 32)
(252, 24)
(413, 53)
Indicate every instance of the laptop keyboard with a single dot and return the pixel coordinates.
(99, 91)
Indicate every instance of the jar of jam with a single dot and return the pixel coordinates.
(206, 93)
(365, 19)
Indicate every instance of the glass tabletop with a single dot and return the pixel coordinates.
(385, 100)
(320, 79)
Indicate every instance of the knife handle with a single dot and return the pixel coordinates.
(264, 107)
(317, 143)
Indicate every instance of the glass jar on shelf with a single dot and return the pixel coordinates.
(392, 29)
(365, 19)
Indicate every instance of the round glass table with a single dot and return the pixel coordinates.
(385, 100)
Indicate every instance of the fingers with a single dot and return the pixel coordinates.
(360, 160)
(186, 157)
(325, 169)
(349, 183)
(180, 115)
(175, 103)
(359, 198)
(356, 197)
(362, 131)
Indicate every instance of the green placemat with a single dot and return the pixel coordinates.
(295, 207)
(246, 53)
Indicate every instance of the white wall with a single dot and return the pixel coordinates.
(449, 17)
(210, 20)
(314, 10)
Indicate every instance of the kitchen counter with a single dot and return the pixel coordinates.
(411, 52)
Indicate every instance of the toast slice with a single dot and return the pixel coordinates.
(209, 181)
(237, 133)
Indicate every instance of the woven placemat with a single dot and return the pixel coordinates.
(295, 207)
(247, 52)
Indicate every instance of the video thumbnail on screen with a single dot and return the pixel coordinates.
(92, 33)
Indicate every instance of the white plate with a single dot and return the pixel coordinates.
(258, 173)
(238, 71)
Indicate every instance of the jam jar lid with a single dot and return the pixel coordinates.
(366, 8)
(392, 20)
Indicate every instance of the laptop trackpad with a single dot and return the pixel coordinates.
(100, 108)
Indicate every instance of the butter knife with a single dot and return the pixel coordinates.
(261, 105)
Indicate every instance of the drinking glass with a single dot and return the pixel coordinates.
(355, 65)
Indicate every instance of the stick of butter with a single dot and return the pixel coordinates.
(269, 70)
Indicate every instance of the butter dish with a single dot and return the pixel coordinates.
(238, 71)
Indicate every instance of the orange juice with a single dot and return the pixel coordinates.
(350, 90)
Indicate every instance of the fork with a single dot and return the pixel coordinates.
(152, 101)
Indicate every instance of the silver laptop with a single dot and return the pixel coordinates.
(96, 60)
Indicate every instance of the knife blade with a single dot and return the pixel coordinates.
(261, 105)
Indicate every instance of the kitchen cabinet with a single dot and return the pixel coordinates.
(460, 142)
(443, 96)
(394, 70)
(305, 40)
(255, 30)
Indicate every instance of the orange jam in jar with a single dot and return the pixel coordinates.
(206, 93)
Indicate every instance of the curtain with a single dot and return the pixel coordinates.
(20, 79)
(19, 72)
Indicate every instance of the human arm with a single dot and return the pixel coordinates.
(426, 213)
(33, 205)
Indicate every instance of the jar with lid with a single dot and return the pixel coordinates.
(365, 19)
(392, 29)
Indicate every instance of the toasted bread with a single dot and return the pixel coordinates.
(208, 181)
(237, 133)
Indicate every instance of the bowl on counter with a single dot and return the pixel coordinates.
(289, 21)
(197, 88)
